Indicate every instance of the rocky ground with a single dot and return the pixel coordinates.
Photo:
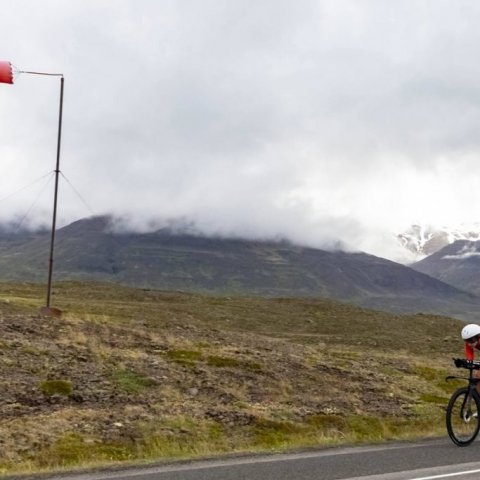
(127, 375)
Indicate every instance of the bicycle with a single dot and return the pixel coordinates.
(463, 410)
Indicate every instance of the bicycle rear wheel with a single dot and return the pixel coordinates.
(463, 416)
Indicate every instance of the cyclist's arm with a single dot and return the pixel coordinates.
(469, 352)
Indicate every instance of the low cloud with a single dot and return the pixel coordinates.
(467, 251)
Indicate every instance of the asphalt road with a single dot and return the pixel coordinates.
(429, 460)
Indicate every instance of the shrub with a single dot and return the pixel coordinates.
(218, 361)
(56, 387)
(184, 356)
(131, 382)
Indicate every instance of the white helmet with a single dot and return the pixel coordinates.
(470, 331)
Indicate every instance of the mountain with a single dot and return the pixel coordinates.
(457, 264)
(91, 249)
(424, 240)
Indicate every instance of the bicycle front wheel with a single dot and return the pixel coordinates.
(463, 416)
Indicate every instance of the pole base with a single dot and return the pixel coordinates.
(51, 312)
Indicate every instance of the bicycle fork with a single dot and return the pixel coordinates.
(466, 411)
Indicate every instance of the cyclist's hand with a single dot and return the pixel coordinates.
(459, 362)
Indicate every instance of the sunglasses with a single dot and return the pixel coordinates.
(472, 340)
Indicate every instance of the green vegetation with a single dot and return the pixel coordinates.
(218, 361)
(184, 356)
(131, 375)
(73, 449)
(131, 382)
(56, 387)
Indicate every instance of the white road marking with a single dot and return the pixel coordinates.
(448, 475)
(429, 473)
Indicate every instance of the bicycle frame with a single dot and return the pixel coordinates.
(472, 381)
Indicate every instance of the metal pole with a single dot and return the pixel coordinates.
(55, 199)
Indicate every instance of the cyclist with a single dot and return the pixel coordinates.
(471, 337)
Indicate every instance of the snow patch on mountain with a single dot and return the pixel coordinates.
(467, 251)
(423, 240)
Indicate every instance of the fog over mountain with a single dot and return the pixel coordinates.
(95, 249)
(321, 121)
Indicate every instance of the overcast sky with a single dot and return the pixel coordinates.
(321, 121)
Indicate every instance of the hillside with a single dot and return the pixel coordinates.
(91, 250)
(129, 375)
(458, 264)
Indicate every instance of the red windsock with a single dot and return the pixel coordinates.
(6, 74)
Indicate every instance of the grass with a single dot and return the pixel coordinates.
(139, 375)
(73, 449)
